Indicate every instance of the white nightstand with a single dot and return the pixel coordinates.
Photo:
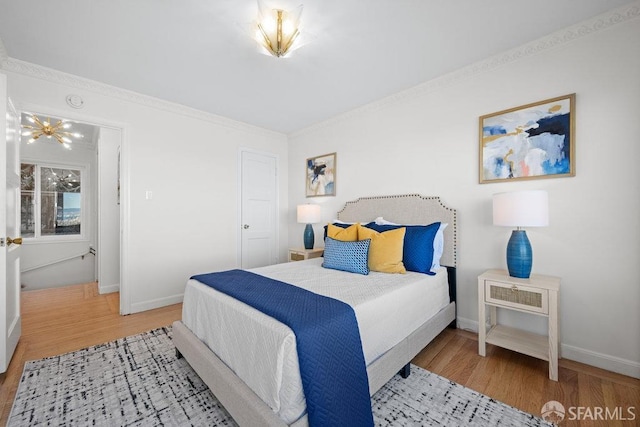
(302, 254)
(537, 295)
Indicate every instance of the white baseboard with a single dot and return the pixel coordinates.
(599, 360)
(108, 289)
(137, 307)
(467, 324)
(588, 357)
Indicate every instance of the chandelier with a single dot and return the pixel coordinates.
(278, 29)
(45, 128)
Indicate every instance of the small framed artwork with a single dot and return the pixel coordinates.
(529, 142)
(320, 176)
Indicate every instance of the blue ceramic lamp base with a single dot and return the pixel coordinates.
(519, 255)
(308, 237)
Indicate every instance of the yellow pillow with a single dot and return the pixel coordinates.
(385, 250)
(349, 234)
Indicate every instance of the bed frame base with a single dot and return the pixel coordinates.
(247, 409)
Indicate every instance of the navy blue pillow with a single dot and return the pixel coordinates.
(347, 256)
(337, 224)
(417, 251)
(341, 225)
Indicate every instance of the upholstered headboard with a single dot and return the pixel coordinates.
(408, 209)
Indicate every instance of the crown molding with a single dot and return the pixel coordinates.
(551, 41)
(58, 77)
(558, 38)
(4, 57)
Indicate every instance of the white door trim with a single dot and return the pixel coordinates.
(239, 202)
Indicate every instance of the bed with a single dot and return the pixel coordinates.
(242, 390)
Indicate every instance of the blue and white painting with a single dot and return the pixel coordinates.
(533, 141)
(321, 176)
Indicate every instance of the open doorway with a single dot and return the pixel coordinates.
(70, 216)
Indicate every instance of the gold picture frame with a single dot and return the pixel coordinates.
(320, 176)
(532, 141)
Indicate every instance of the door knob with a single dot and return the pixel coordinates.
(245, 226)
(17, 240)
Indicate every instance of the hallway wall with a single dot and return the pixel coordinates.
(40, 264)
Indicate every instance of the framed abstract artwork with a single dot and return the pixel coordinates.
(529, 142)
(320, 176)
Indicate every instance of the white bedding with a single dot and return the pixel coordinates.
(262, 351)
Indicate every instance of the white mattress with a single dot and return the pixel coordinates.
(262, 351)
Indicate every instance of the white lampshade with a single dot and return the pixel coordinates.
(308, 214)
(521, 209)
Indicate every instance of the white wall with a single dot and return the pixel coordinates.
(52, 264)
(426, 141)
(108, 236)
(188, 159)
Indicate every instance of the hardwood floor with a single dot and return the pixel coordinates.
(65, 319)
(523, 381)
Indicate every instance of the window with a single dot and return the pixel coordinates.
(51, 201)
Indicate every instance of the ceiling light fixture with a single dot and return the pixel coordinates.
(45, 128)
(278, 29)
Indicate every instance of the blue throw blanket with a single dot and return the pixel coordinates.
(332, 366)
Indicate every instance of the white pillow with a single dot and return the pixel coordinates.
(382, 221)
(337, 221)
(438, 246)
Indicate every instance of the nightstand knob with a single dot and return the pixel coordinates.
(514, 288)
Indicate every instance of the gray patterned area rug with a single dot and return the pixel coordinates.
(137, 381)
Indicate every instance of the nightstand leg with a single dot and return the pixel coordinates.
(553, 336)
(493, 315)
(482, 329)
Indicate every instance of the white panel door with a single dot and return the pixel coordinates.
(258, 209)
(10, 325)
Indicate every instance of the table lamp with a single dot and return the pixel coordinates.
(520, 209)
(308, 214)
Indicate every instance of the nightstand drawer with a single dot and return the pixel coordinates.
(520, 297)
(295, 256)
(303, 254)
